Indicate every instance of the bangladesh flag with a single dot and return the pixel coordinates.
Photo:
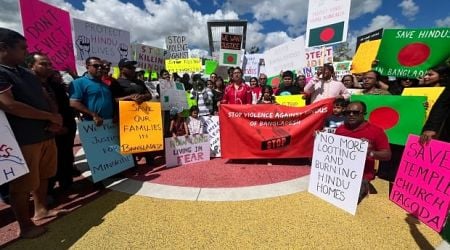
(230, 57)
(411, 52)
(328, 34)
(399, 116)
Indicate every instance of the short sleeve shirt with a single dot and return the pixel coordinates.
(26, 88)
(94, 94)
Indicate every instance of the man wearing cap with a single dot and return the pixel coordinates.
(131, 88)
(90, 96)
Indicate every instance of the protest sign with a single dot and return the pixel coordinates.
(251, 64)
(101, 146)
(228, 57)
(188, 65)
(364, 57)
(177, 47)
(149, 58)
(230, 41)
(374, 35)
(432, 94)
(341, 69)
(318, 56)
(287, 56)
(270, 131)
(393, 114)
(327, 22)
(107, 43)
(411, 52)
(422, 184)
(210, 66)
(212, 129)
(184, 150)
(47, 30)
(173, 95)
(12, 163)
(337, 168)
(141, 127)
(291, 100)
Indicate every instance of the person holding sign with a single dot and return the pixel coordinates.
(29, 114)
(130, 88)
(324, 86)
(89, 95)
(356, 126)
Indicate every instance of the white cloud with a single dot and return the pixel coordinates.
(361, 7)
(409, 9)
(445, 22)
(274, 39)
(9, 17)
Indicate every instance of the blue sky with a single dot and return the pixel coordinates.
(270, 22)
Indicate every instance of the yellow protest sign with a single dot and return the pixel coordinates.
(190, 65)
(290, 100)
(116, 72)
(141, 128)
(432, 94)
(364, 57)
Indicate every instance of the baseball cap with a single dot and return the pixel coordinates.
(126, 63)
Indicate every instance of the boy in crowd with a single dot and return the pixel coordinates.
(337, 118)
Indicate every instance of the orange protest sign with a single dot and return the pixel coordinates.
(141, 128)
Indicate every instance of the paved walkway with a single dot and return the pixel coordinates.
(166, 209)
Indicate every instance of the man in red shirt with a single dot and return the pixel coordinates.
(356, 127)
(237, 92)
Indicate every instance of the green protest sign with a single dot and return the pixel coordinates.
(210, 66)
(399, 116)
(411, 52)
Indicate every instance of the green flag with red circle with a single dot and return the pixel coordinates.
(411, 52)
(328, 34)
(399, 116)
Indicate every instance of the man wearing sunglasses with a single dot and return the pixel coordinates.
(90, 96)
(356, 126)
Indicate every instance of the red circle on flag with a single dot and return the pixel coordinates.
(230, 59)
(384, 117)
(413, 54)
(275, 82)
(327, 34)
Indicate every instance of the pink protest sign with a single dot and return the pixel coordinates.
(422, 185)
(47, 30)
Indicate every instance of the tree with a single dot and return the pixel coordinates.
(342, 52)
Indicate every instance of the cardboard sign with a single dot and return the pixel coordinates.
(336, 170)
(270, 131)
(177, 47)
(212, 128)
(189, 65)
(141, 127)
(364, 57)
(287, 56)
(12, 163)
(149, 58)
(422, 184)
(107, 43)
(173, 95)
(374, 35)
(291, 100)
(319, 56)
(327, 22)
(101, 146)
(230, 41)
(251, 65)
(47, 30)
(184, 150)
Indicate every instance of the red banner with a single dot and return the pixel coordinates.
(270, 131)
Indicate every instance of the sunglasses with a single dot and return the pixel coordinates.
(96, 65)
(352, 112)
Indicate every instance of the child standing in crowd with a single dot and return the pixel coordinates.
(267, 97)
(195, 125)
(178, 126)
(337, 118)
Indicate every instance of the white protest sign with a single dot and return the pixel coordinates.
(107, 43)
(12, 163)
(173, 95)
(327, 22)
(287, 56)
(317, 57)
(213, 130)
(177, 47)
(184, 150)
(336, 170)
(251, 64)
(149, 58)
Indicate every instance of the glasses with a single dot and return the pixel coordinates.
(353, 112)
(237, 72)
(262, 78)
(96, 65)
